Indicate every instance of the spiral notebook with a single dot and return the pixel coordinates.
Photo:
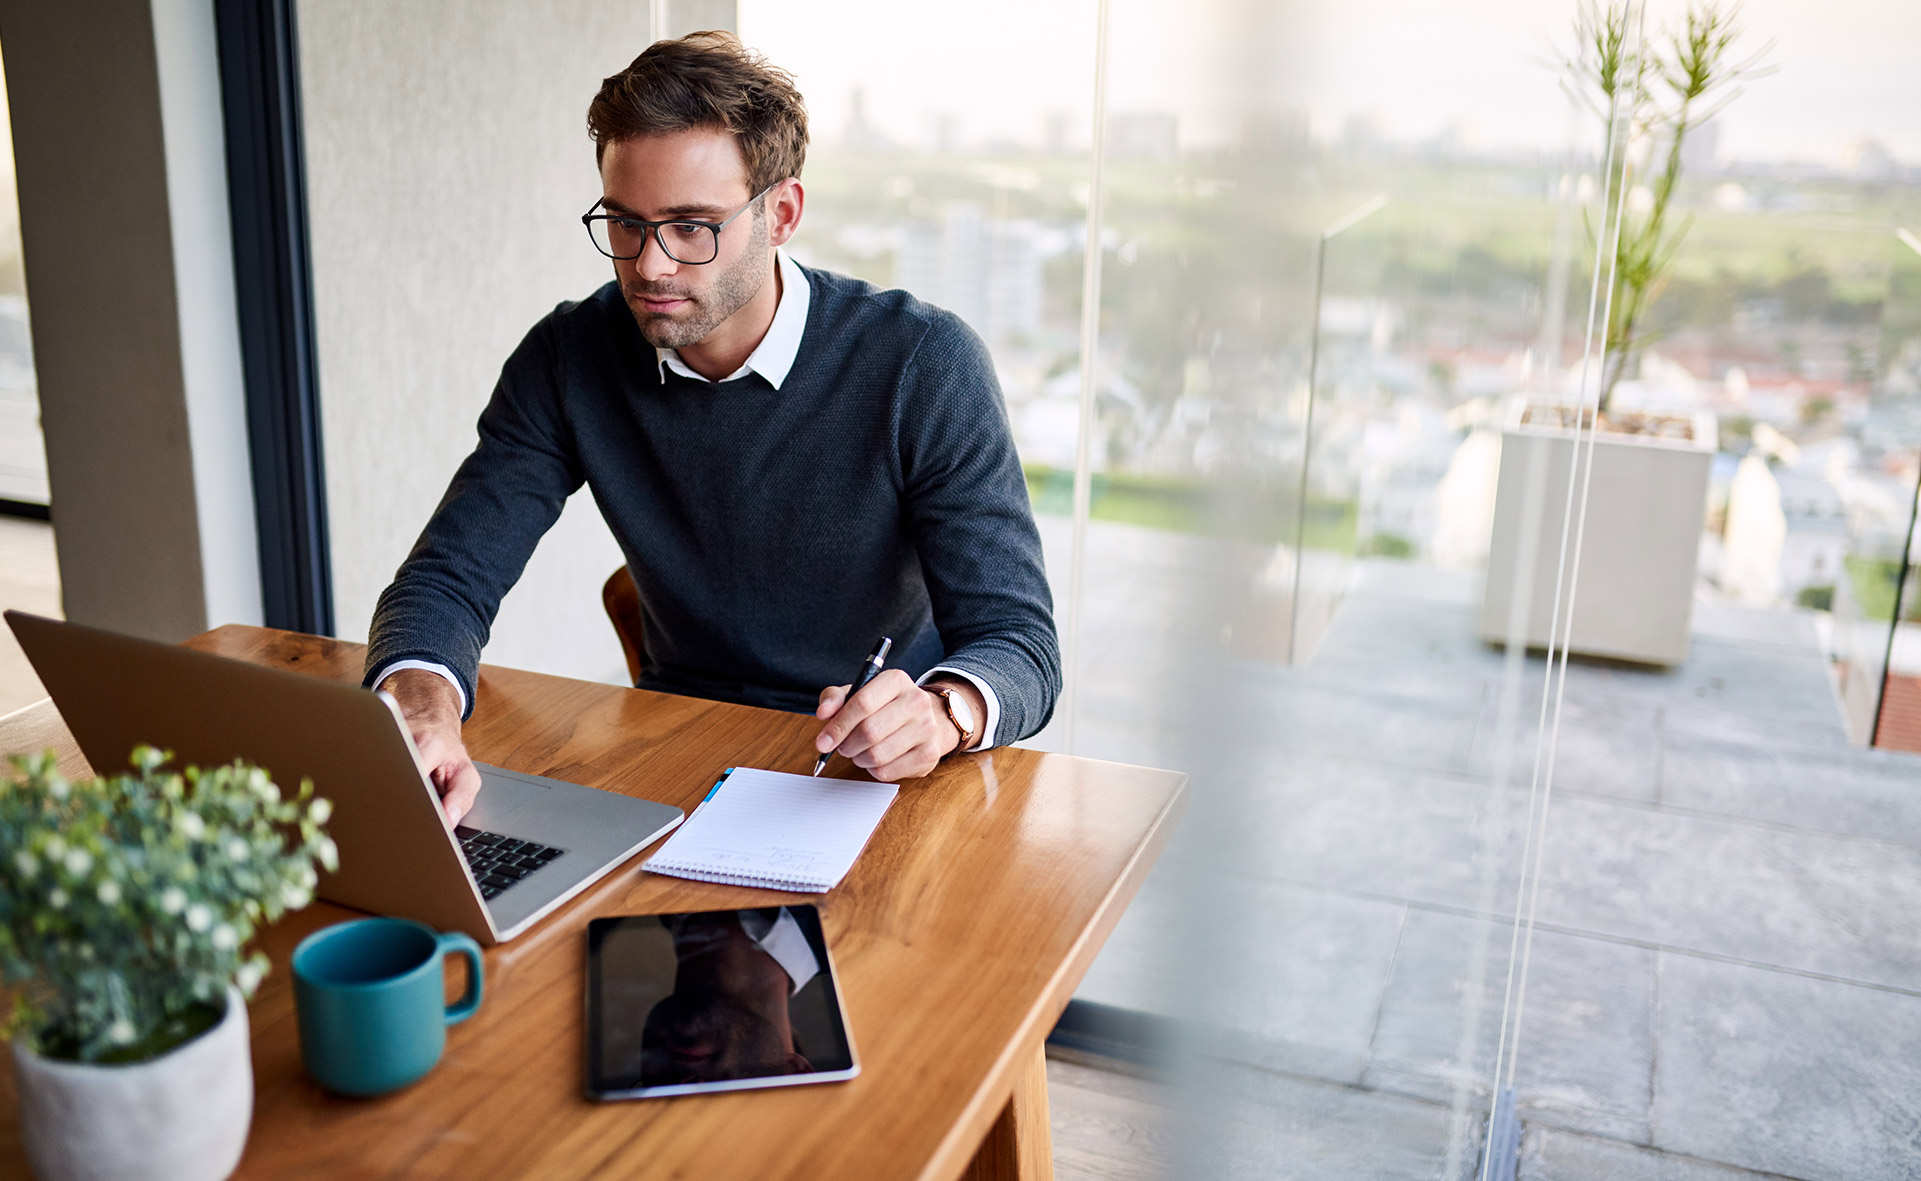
(776, 830)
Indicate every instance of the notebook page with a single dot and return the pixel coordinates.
(773, 828)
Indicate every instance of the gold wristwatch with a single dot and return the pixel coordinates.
(959, 712)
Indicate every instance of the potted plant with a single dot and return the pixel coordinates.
(126, 907)
(1646, 492)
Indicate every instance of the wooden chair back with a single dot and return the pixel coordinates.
(622, 599)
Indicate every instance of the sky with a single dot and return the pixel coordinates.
(1483, 68)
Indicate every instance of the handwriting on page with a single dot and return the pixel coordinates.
(789, 861)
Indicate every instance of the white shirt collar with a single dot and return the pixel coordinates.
(775, 354)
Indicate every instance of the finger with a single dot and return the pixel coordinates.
(438, 753)
(830, 699)
(872, 697)
(878, 694)
(897, 717)
(894, 731)
(462, 790)
(915, 763)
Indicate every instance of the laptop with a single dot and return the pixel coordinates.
(529, 844)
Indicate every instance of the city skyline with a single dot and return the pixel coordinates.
(1843, 74)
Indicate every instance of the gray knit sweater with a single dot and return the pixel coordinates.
(774, 534)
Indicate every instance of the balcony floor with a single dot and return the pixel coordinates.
(1726, 970)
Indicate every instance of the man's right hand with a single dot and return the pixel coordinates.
(432, 708)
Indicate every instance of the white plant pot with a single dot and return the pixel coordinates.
(180, 1117)
(1634, 596)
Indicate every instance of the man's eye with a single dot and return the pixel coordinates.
(688, 230)
(628, 223)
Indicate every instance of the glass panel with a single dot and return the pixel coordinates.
(1719, 918)
(1875, 692)
(29, 574)
(1327, 932)
(1898, 714)
(1353, 329)
(978, 206)
(23, 457)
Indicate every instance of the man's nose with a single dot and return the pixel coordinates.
(653, 262)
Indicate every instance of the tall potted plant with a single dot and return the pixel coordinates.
(1646, 494)
(1661, 97)
(126, 907)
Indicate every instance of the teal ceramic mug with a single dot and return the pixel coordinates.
(369, 995)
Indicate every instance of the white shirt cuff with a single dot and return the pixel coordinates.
(389, 670)
(991, 724)
(787, 943)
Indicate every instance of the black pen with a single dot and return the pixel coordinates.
(867, 673)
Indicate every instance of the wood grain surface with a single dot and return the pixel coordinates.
(1019, 1146)
(958, 937)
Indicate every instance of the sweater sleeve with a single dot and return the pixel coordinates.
(504, 497)
(973, 527)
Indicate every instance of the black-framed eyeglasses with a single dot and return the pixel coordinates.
(693, 243)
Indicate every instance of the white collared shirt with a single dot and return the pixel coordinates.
(773, 358)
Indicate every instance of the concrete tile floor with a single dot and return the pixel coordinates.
(1233, 1123)
(1588, 1064)
(1552, 1154)
(1870, 794)
(1715, 851)
(1794, 1074)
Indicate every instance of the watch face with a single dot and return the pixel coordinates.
(959, 710)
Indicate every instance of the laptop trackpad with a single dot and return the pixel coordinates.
(502, 793)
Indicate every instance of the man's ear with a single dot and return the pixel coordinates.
(784, 206)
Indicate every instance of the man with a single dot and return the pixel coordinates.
(793, 462)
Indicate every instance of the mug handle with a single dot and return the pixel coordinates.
(465, 1007)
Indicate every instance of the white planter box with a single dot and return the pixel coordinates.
(1642, 540)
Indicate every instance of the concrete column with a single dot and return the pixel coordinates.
(119, 150)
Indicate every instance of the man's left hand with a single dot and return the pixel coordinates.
(893, 729)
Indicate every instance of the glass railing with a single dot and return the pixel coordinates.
(1876, 642)
(24, 490)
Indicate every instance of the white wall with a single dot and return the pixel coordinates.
(448, 165)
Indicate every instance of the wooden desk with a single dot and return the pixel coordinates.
(959, 937)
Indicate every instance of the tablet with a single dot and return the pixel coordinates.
(719, 1000)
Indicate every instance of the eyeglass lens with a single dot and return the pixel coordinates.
(684, 241)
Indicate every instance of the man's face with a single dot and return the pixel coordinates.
(698, 175)
(728, 1015)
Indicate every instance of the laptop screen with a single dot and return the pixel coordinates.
(712, 1001)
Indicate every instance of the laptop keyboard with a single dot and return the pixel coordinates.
(498, 862)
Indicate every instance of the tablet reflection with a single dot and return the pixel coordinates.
(728, 1016)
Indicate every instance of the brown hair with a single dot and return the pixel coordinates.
(707, 80)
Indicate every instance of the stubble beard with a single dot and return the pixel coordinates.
(730, 292)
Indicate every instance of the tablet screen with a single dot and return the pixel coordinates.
(718, 1000)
